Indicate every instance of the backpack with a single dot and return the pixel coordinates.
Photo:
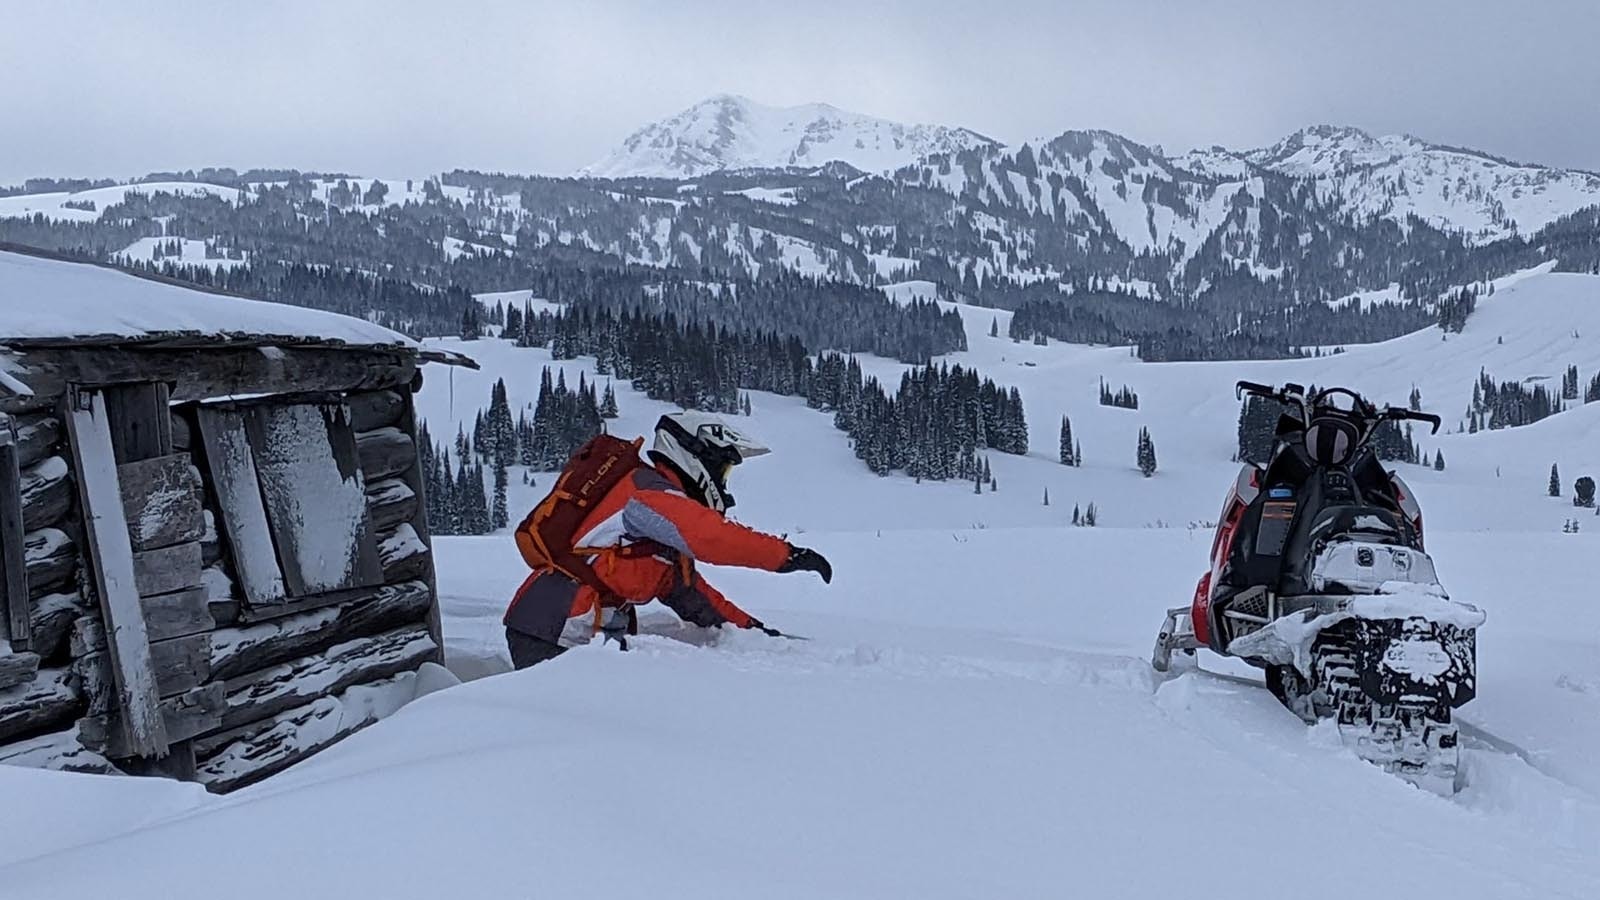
(547, 535)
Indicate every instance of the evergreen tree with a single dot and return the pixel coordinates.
(608, 404)
(1077, 453)
(1067, 455)
(994, 327)
(1147, 453)
(1091, 516)
(1438, 460)
(513, 329)
(1047, 496)
(471, 324)
(1555, 481)
(500, 517)
(1077, 516)
(1584, 490)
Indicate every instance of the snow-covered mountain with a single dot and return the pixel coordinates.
(733, 132)
(1397, 176)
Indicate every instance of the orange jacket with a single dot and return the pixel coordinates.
(648, 508)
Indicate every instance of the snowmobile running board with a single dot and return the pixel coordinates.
(1177, 633)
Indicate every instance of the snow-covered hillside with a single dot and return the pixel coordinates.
(973, 713)
(86, 206)
(1397, 176)
(731, 132)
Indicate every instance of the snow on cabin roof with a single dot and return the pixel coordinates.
(48, 300)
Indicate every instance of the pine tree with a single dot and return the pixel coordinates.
(1438, 461)
(1077, 453)
(471, 325)
(1091, 516)
(500, 518)
(1584, 492)
(608, 405)
(1066, 453)
(1047, 496)
(1077, 516)
(1555, 481)
(1146, 453)
(994, 327)
(1416, 399)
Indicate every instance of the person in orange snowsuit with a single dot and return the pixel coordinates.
(650, 529)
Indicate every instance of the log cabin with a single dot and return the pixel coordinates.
(214, 558)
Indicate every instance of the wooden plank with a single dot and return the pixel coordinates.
(233, 475)
(235, 651)
(17, 668)
(38, 436)
(182, 433)
(53, 615)
(315, 496)
(391, 501)
(51, 557)
(183, 717)
(177, 614)
(16, 625)
(46, 493)
(161, 499)
(419, 524)
(405, 557)
(111, 565)
(385, 452)
(243, 756)
(59, 751)
(47, 703)
(168, 569)
(206, 373)
(141, 426)
(370, 410)
(270, 691)
(180, 664)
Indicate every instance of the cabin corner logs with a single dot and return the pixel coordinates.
(205, 588)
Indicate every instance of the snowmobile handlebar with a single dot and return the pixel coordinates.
(1294, 394)
(1259, 390)
(1413, 415)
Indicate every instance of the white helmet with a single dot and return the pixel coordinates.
(703, 448)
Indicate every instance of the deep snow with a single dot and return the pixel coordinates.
(974, 713)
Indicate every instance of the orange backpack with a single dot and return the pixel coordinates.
(547, 535)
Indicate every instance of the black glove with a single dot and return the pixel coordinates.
(804, 559)
(760, 626)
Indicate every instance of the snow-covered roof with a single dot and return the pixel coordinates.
(46, 300)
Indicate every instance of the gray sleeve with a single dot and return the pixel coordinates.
(641, 522)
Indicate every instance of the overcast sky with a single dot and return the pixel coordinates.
(401, 88)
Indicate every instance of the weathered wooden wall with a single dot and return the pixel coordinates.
(245, 689)
(286, 662)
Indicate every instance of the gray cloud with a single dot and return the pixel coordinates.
(402, 88)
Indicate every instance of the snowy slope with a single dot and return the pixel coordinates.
(191, 253)
(53, 205)
(1492, 480)
(732, 132)
(955, 728)
(1396, 176)
(974, 714)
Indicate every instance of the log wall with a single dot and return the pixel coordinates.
(243, 691)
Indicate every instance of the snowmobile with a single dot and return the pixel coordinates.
(1319, 577)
